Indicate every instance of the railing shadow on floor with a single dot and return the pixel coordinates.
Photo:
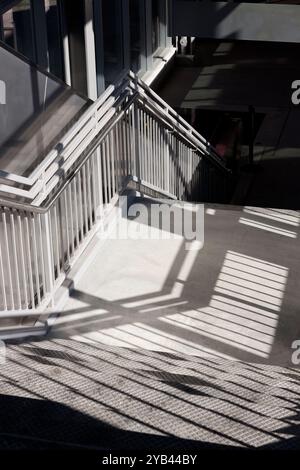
(178, 400)
(242, 309)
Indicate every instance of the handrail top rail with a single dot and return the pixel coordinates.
(90, 127)
(172, 112)
(55, 152)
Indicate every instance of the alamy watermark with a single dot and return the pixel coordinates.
(296, 353)
(2, 352)
(147, 219)
(296, 92)
(2, 92)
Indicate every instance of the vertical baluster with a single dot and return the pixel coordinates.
(35, 261)
(185, 172)
(178, 169)
(94, 185)
(4, 296)
(166, 160)
(85, 202)
(108, 167)
(148, 148)
(41, 251)
(15, 256)
(113, 157)
(104, 161)
(66, 214)
(137, 140)
(71, 219)
(89, 193)
(182, 170)
(8, 257)
(160, 174)
(141, 148)
(140, 124)
(127, 166)
(153, 154)
(23, 268)
(29, 261)
(99, 182)
(119, 154)
(134, 139)
(145, 149)
(75, 192)
(156, 140)
(161, 159)
(49, 262)
(171, 160)
(81, 208)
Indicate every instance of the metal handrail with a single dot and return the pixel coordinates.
(98, 109)
(181, 124)
(89, 128)
(45, 208)
(128, 135)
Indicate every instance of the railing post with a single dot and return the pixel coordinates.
(167, 160)
(136, 130)
(48, 257)
(99, 208)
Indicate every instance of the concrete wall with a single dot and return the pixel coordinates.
(247, 21)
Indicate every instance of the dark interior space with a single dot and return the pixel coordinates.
(214, 83)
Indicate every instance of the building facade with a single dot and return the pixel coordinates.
(89, 44)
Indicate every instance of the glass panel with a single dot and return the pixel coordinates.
(17, 29)
(54, 38)
(155, 25)
(113, 39)
(37, 112)
(135, 35)
(75, 16)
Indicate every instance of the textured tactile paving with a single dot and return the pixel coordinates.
(60, 393)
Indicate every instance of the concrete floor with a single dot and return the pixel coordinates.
(237, 297)
(164, 348)
(60, 394)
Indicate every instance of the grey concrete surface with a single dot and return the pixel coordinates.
(237, 297)
(61, 394)
(160, 347)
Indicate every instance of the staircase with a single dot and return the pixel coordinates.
(50, 216)
(152, 342)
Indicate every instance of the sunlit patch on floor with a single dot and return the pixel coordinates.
(280, 216)
(244, 313)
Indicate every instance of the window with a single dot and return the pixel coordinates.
(75, 18)
(135, 35)
(18, 29)
(55, 49)
(112, 39)
(155, 25)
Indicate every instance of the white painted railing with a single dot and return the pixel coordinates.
(47, 220)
